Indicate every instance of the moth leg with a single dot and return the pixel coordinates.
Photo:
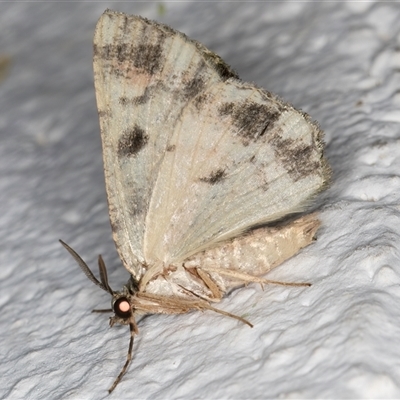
(157, 304)
(134, 330)
(217, 310)
(247, 278)
(209, 282)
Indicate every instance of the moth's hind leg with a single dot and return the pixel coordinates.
(209, 282)
(243, 278)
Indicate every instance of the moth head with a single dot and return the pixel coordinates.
(122, 306)
(121, 302)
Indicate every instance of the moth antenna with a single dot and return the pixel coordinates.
(84, 266)
(134, 330)
(103, 275)
(108, 310)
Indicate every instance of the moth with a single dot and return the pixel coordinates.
(198, 164)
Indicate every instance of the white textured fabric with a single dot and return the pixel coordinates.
(337, 61)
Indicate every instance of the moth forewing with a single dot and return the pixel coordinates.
(144, 74)
(194, 158)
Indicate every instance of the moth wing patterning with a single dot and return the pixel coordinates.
(144, 75)
(192, 155)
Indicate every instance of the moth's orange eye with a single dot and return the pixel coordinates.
(122, 308)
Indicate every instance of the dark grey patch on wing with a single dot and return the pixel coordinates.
(139, 205)
(201, 99)
(123, 100)
(212, 59)
(115, 227)
(132, 141)
(147, 58)
(171, 148)
(135, 101)
(139, 100)
(104, 114)
(193, 87)
(215, 177)
(125, 26)
(253, 120)
(97, 52)
(297, 158)
(149, 93)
